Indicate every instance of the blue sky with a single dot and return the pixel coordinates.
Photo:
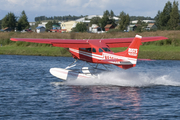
(34, 8)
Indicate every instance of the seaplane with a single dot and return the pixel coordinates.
(95, 51)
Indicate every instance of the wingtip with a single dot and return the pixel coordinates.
(13, 39)
(166, 38)
(162, 37)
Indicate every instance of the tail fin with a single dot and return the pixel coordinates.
(131, 53)
(133, 48)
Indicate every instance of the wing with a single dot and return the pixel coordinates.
(66, 43)
(125, 42)
(81, 43)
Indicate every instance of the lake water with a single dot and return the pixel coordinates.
(28, 91)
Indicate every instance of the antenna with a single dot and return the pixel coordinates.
(101, 39)
(89, 37)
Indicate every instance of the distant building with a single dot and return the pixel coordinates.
(40, 29)
(43, 24)
(68, 25)
(56, 27)
(146, 21)
(108, 27)
(7, 29)
(151, 26)
(95, 29)
(32, 23)
(89, 17)
(131, 27)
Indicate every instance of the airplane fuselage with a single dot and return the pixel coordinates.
(100, 56)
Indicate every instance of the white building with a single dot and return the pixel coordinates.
(43, 24)
(40, 29)
(95, 29)
(32, 23)
(87, 18)
(68, 26)
(146, 21)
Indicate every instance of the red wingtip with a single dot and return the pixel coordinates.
(13, 39)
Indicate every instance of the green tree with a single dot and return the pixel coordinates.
(0, 23)
(124, 21)
(165, 15)
(157, 19)
(139, 22)
(23, 22)
(111, 14)
(80, 27)
(174, 16)
(55, 22)
(95, 20)
(107, 19)
(49, 25)
(127, 19)
(9, 21)
(106, 13)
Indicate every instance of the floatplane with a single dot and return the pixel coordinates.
(95, 51)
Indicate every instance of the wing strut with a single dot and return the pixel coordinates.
(71, 65)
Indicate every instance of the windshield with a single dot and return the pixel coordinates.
(106, 49)
(100, 50)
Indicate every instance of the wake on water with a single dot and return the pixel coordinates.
(129, 79)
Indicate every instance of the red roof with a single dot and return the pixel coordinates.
(108, 26)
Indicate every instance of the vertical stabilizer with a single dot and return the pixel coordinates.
(130, 55)
(133, 48)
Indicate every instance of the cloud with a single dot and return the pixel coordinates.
(15, 1)
(73, 2)
(96, 4)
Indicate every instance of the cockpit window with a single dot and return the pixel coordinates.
(106, 49)
(82, 48)
(88, 49)
(100, 50)
(93, 50)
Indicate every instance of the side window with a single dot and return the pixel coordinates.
(93, 50)
(88, 49)
(100, 50)
(82, 48)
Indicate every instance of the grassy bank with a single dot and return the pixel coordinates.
(31, 50)
(167, 49)
(172, 35)
(148, 51)
(156, 52)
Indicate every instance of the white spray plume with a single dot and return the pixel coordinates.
(129, 79)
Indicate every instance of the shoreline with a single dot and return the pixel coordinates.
(146, 52)
(160, 50)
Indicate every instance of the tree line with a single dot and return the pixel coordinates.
(108, 18)
(13, 22)
(59, 18)
(169, 18)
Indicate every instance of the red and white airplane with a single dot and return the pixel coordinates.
(96, 51)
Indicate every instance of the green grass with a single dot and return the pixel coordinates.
(38, 51)
(156, 52)
(160, 52)
(165, 48)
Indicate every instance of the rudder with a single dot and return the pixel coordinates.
(131, 53)
(133, 48)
